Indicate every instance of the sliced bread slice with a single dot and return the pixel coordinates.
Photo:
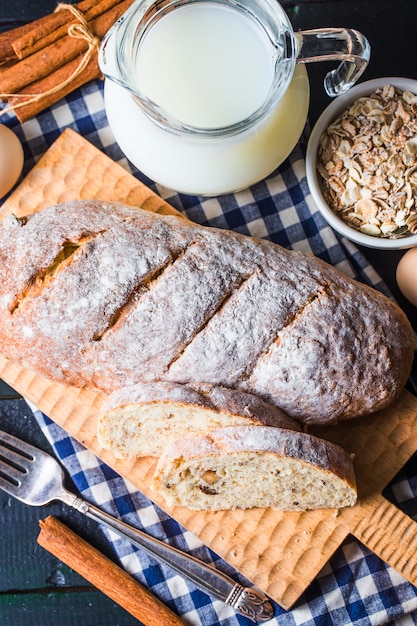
(254, 466)
(141, 419)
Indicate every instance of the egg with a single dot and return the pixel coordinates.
(11, 159)
(407, 275)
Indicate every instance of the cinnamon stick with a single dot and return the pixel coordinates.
(25, 112)
(7, 38)
(13, 80)
(56, 26)
(78, 554)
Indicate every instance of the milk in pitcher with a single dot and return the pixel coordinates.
(210, 66)
(206, 64)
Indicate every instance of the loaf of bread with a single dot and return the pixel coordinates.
(142, 419)
(104, 296)
(290, 471)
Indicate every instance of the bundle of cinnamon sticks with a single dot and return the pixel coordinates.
(43, 61)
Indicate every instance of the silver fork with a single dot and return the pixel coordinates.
(36, 478)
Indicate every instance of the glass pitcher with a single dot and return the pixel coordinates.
(207, 97)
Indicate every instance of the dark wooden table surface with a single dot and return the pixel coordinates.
(35, 588)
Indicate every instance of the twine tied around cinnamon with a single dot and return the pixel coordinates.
(78, 30)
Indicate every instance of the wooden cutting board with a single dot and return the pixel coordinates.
(280, 552)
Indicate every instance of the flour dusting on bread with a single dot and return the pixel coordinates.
(103, 295)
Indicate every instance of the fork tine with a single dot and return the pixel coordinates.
(16, 458)
(9, 455)
(30, 474)
(10, 472)
(7, 487)
(17, 444)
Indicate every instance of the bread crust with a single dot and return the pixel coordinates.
(142, 419)
(104, 295)
(291, 470)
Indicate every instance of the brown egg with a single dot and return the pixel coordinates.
(407, 275)
(11, 159)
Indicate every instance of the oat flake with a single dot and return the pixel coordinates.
(368, 163)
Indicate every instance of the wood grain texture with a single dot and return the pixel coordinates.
(280, 552)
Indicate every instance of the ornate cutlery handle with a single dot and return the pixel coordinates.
(249, 602)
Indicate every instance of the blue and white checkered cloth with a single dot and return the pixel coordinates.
(355, 587)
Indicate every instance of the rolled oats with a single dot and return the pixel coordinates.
(368, 162)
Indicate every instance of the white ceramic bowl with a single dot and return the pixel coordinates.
(314, 179)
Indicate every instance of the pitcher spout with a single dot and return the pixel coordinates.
(108, 58)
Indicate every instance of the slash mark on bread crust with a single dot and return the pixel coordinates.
(69, 250)
(144, 286)
(325, 291)
(240, 283)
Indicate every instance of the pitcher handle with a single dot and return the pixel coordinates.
(335, 44)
